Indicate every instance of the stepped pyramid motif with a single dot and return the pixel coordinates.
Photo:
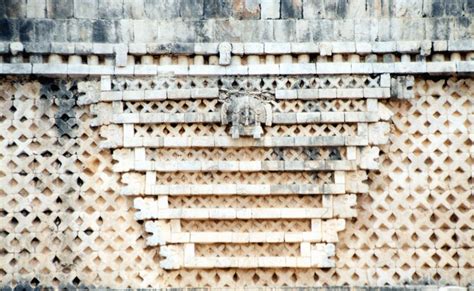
(209, 161)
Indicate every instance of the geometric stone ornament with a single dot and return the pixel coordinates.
(334, 120)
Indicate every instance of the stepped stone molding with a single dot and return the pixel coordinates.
(139, 116)
(326, 48)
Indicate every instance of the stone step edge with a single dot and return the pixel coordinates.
(232, 189)
(229, 142)
(259, 262)
(423, 47)
(232, 213)
(237, 166)
(276, 118)
(433, 68)
(381, 92)
(208, 237)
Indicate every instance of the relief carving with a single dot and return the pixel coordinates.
(246, 114)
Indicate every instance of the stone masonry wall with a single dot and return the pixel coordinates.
(41, 22)
(236, 143)
(63, 221)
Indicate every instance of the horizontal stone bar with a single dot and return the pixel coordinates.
(235, 189)
(229, 142)
(215, 117)
(243, 166)
(447, 67)
(152, 212)
(158, 95)
(243, 237)
(144, 118)
(344, 93)
(247, 48)
(256, 262)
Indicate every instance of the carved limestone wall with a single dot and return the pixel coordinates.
(66, 167)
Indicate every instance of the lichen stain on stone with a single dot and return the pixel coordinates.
(62, 94)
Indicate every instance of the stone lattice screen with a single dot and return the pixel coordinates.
(63, 220)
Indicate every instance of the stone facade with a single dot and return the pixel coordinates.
(247, 143)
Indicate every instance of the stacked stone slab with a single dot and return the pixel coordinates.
(337, 122)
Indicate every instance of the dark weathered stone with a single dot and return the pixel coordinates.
(7, 29)
(110, 9)
(27, 31)
(257, 29)
(167, 48)
(389, 58)
(454, 7)
(438, 8)
(60, 30)
(60, 8)
(440, 29)
(217, 9)
(228, 30)
(341, 8)
(2, 9)
(86, 9)
(291, 9)
(184, 32)
(134, 9)
(284, 29)
(303, 31)
(469, 7)
(44, 30)
(14, 8)
(203, 30)
(37, 47)
(161, 9)
(322, 30)
(103, 31)
(245, 9)
(191, 9)
(79, 30)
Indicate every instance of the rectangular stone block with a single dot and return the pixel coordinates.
(283, 118)
(327, 93)
(143, 70)
(99, 70)
(307, 94)
(179, 70)
(270, 9)
(361, 68)
(264, 69)
(277, 47)
(155, 95)
(297, 69)
(286, 94)
(332, 117)
(133, 95)
(308, 117)
(236, 70)
(350, 93)
(204, 93)
(255, 48)
(111, 96)
(49, 69)
(333, 68)
(304, 47)
(440, 67)
(178, 93)
(206, 70)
